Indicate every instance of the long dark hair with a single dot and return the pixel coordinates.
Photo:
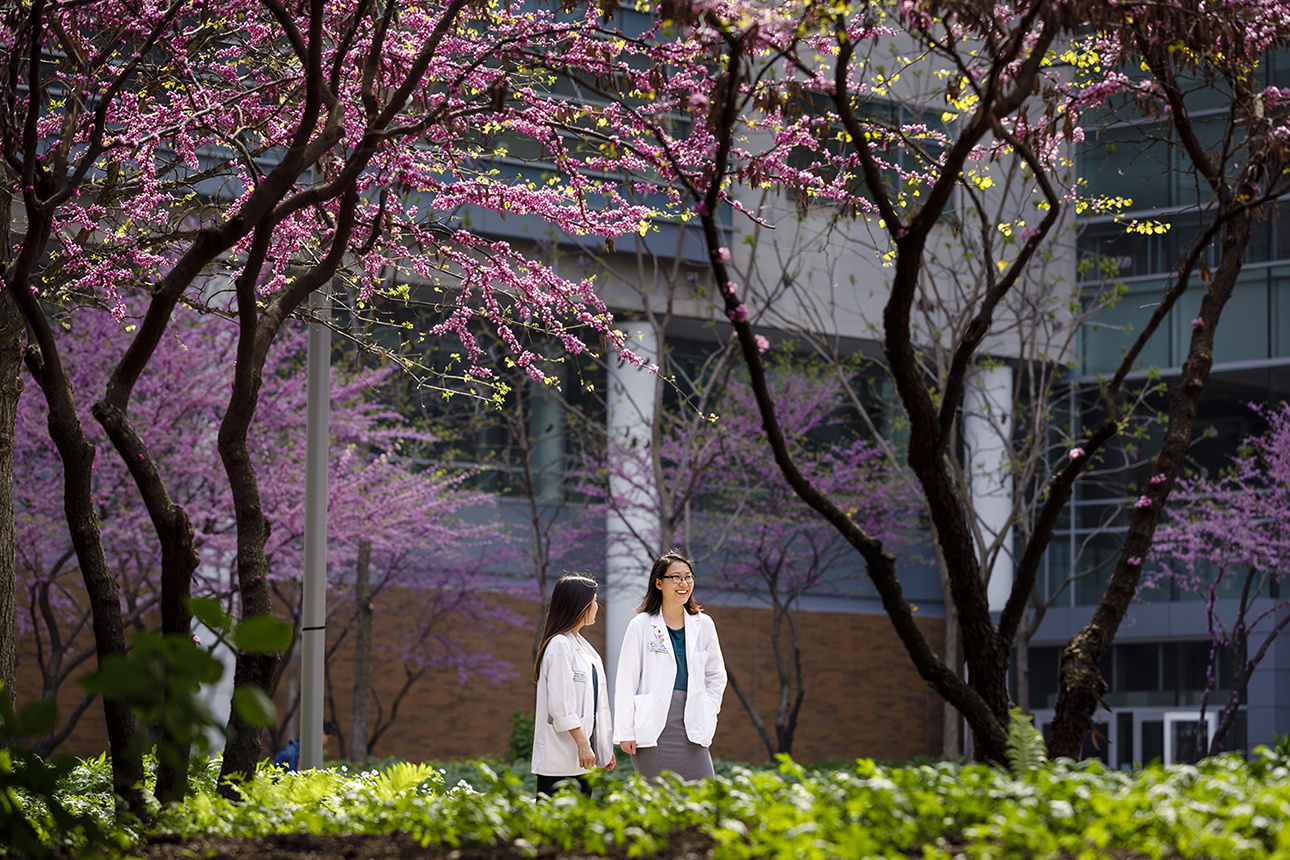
(652, 602)
(569, 601)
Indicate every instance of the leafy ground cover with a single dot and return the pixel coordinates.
(1223, 808)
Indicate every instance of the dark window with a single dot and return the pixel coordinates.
(1124, 739)
(1137, 667)
(1043, 677)
(1153, 740)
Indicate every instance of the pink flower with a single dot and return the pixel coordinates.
(1158, 479)
(1198, 322)
(1133, 561)
(738, 314)
(196, 640)
(700, 208)
(1142, 502)
(698, 102)
(729, 288)
(1076, 453)
(762, 343)
(723, 254)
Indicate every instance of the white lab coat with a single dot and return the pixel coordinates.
(564, 701)
(647, 673)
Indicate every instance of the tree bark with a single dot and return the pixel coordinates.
(362, 656)
(1081, 685)
(179, 562)
(11, 326)
(101, 586)
(951, 719)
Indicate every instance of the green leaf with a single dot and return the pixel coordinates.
(208, 611)
(254, 706)
(38, 717)
(1025, 745)
(262, 634)
(119, 679)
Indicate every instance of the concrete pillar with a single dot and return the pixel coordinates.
(987, 422)
(631, 483)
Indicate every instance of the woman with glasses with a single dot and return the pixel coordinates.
(572, 728)
(671, 677)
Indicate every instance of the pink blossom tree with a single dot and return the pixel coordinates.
(1016, 79)
(175, 148)
(776, 549)
(403, 511)
(1226, 538)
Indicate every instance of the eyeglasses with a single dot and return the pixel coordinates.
(680, 579)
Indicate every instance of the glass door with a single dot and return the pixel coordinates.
(1181, 742)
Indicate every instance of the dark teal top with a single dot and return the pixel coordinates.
(678, 651)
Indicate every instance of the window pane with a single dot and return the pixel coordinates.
(1124, 162)
(1138, 667)
(1280, 310)
(1124, 739)
(1114, 330)
(1243, 328)
(1153, 740)
(1043, 676)
(1188, 748)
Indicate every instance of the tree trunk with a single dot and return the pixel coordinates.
(1081, 685)
(10, 389)
(101, 586)
(951, 719)
(1023, 671)
(179, 562)
(362, 656)
(243, 749)
(256, 333)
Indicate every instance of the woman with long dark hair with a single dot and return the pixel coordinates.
(671, 677)
(572, 727)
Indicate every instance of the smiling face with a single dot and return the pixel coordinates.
(677, 584)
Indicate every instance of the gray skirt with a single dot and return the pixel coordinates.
(675, 751)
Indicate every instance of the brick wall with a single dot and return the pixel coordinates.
(863, 697)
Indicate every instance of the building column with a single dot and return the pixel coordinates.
(987, 424)
(631, 484)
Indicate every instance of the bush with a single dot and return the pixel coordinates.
(519, 743)
(1222, 808)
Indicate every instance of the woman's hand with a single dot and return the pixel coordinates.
(613, 760)
(586, 758)
(629, 747)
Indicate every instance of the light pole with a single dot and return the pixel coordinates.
(313, 613)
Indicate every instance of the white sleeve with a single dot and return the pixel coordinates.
(561, 697)
(714, 675)
(626, 681)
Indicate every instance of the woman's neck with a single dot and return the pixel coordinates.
(673, 615)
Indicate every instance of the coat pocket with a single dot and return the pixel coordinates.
(643, 718)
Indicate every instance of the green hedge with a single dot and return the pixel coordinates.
(1223, 808)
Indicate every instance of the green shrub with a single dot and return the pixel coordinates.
(1223, 809)
(519, 743)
